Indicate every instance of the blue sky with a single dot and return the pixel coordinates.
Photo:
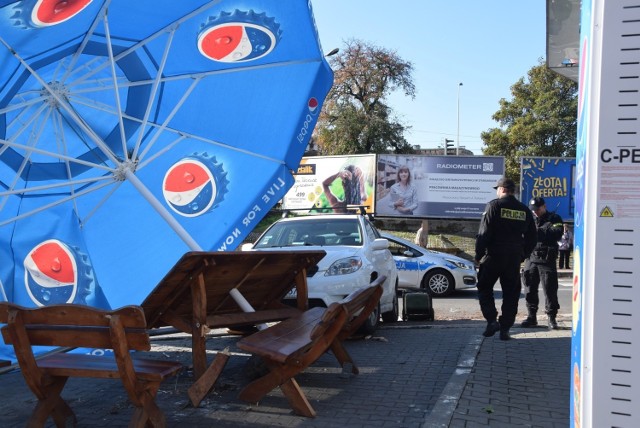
(487, 45)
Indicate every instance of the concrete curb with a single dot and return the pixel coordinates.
(441, 414)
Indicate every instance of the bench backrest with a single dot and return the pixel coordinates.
(332, 320)
(360, 304)
(74, 326)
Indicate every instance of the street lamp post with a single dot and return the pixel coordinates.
(458, 133)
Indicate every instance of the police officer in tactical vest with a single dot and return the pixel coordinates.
(540, 267)
(506, 237)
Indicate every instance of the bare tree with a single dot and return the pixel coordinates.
(356, 117)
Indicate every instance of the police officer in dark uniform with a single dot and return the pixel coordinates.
(540, 267)
(506, 237)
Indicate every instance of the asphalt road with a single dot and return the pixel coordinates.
(463, 304)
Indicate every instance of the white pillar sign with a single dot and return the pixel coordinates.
(606, 314)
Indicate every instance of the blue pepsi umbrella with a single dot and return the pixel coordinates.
(134, 131)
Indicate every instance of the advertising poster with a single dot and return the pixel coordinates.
(325, 184)
(552, 179)
(436, 186)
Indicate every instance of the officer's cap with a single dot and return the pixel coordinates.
(536, 202)
(505, 182)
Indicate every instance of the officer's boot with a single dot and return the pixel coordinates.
(531, 320)
(553, 324)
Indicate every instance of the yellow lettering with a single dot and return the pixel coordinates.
(512, 214)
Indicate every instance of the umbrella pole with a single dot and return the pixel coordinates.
(166, 215)
(183, 234)
(244, 305)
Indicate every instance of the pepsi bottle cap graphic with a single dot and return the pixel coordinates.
(56, 273)
(238, 36)
(45, 13)
(195, 185)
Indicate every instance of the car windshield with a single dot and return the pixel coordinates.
(325, 232)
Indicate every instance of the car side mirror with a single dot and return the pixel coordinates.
(408, 253)
(246, 247)
(380, 244)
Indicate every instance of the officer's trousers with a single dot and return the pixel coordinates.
(505, 267)
(544, 273)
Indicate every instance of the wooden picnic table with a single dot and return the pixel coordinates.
(196, 296)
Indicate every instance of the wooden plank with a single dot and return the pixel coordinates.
(204, 384)
(199, 320)
(74, 315)
(81, 365)
(251, 318)
(67, 336)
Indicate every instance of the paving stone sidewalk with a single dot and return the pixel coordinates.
(412, 375)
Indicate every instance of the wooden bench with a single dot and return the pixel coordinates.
(292, 345)
(289, 347)
(81, 326)
(359, 305)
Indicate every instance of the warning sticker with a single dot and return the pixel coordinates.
(606, 212)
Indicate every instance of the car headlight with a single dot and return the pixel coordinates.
(460, 264)
(344, 266)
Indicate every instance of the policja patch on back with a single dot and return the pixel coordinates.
(513, 214)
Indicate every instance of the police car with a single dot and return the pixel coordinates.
(356, 254)
(440, 274)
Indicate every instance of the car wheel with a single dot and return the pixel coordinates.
(438, 283)
(392, 315)
(371, 324)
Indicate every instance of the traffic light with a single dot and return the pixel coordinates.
(448, 144)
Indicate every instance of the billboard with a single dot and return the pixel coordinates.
(550, 178)
(331, 183)
(436, 186)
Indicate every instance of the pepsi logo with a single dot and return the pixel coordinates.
(307, 125)
(313, 105)
(51, 12)
(236, 42)
(189, 188)
(51, 273)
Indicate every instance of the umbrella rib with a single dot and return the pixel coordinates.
(100, 203)
(60, 156)
(29, 150)
(167, 79)
(165, 149)
(26, 157)
(154, 90)
(169, 117)
(23, 104)
(96, 139)
(52, 186)
(149, 39)
(63, 142)
(163, 127)
(85, 41)
(53, 204)
(116, 91)
(7, 143)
